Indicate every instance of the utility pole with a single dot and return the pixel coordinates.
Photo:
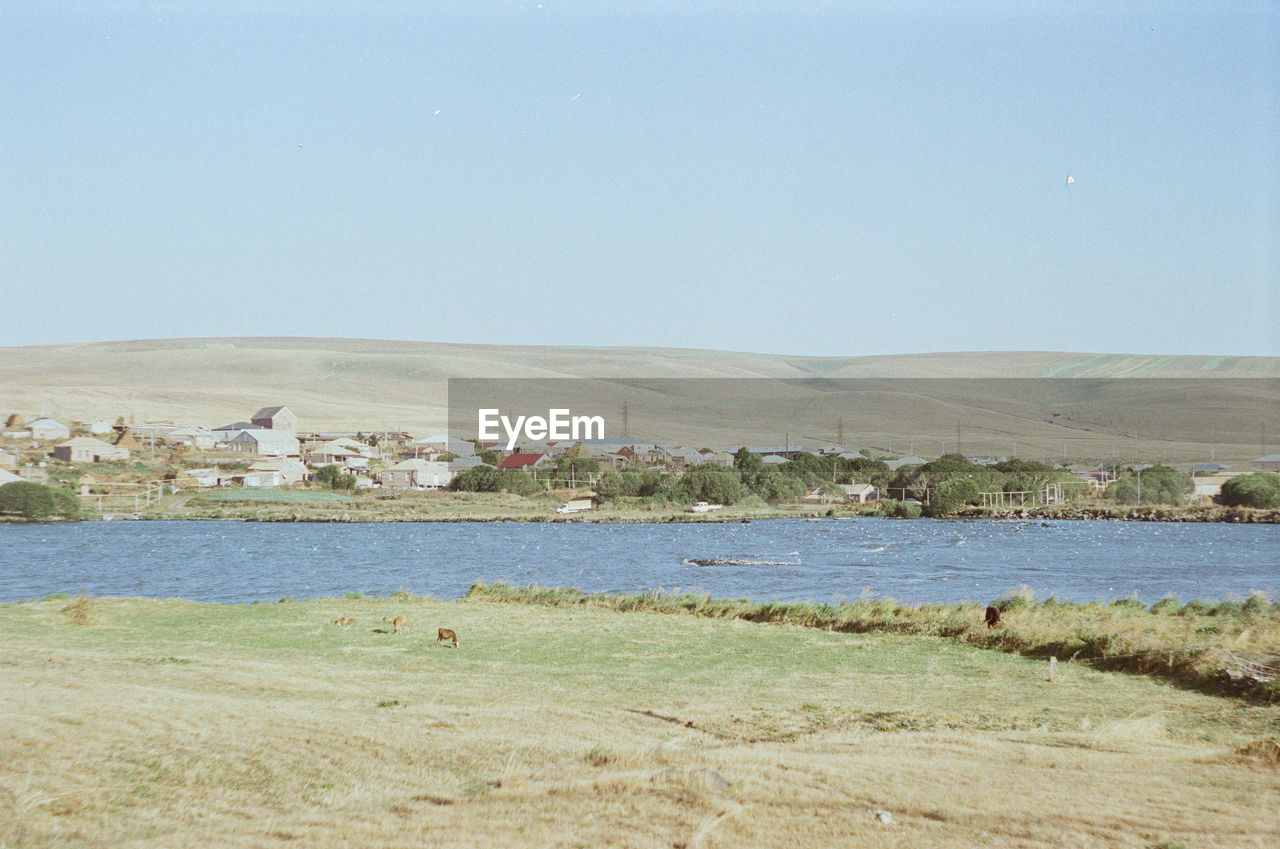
(625, 432)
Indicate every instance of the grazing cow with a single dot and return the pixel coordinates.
(445, 635)
(344, 621)
(993, 617)
(397, 623)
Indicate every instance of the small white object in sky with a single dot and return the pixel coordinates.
(1070, 180)
(575, 97)
(437, 111)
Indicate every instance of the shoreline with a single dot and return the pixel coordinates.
(355, 515)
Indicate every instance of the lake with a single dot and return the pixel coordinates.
(917, 561)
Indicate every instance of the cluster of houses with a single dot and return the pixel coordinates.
(269, 450)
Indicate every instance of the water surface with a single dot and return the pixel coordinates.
(830, 560)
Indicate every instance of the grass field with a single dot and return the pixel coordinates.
(136, 723)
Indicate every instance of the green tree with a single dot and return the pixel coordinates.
(578, 469)
(713, 484)
(334, 478)
(477, 479)
(36, 501)
(751, 469)
(489, 479)
(1260, 489)
(610, 487)
(808, 468)
(777, 488)
(950, 495)
(1157, 484)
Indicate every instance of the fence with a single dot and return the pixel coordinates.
(121, 496)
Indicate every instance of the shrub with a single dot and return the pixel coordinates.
(1257, 604)
(1129, 603)
(1168, 604)
(714, 484)
(489, 479)
(1015, 599)
(1226, 608)
(900, 509)
(36, 501)
(1261, 489)
(1159, 485)
(951, 495)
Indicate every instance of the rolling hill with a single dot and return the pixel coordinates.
(1215, 403)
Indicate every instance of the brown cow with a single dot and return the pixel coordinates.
(993, 617)
(397, 623)
(445, 635)
(344, 621)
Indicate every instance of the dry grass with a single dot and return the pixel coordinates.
(168, 723)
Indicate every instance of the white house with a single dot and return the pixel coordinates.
(48, 430)
(859, 493)
(416, 474)
(266, 443)
(335, 454)
(86, 449)
(275, 472)
(99, 426)
(194, 437)
(854, 493)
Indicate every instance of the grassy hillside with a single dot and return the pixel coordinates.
(348, 384)
(162, 723)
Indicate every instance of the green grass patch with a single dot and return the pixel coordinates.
(1206, 646)
(269, 496)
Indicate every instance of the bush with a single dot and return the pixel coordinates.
(1257, 604)
(37, 501)
(894, 509)
(489, 479)
(1226, 608)
(951, 495)
(1261, 489)
(1130, 603)
(1159, 484)
(1169, 605)
(713, 484)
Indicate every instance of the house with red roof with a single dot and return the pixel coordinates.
(525, 462)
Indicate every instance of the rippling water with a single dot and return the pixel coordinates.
(829, 560)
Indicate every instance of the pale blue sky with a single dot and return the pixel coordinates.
(847, 179)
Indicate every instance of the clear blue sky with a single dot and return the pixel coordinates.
(847, 179)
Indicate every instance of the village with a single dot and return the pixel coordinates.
(114, 465)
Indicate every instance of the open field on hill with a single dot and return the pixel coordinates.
(160, 723)
(338, 384)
